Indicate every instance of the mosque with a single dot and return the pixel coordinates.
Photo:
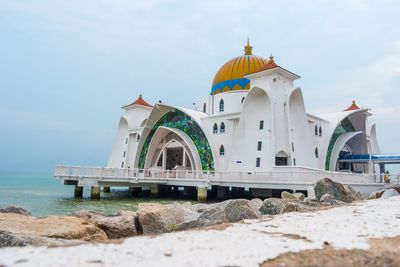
(253, 120)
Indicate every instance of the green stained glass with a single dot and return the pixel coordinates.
(345, 126)
(179, 120)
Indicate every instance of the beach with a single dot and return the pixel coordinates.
(247, 243)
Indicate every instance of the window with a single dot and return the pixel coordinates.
(316, 130)
(320, 131)
(316, 152)
(221, 150)
(258, 162)
(204, 107)
(124, 154)
(243, 98)
(215, 129)
(261, 125)
(259, 146)
(126, 140)
(294, 161)
(221, 105)
(122, 165)
(222, 128)
(292, 147)
(138, 138)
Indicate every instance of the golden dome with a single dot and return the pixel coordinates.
(230, 76)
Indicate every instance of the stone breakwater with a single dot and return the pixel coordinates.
(248, 243)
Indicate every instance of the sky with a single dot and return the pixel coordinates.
(66, 67)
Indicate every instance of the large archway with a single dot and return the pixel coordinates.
(172, 149)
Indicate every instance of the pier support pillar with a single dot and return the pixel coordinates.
(201, 194)
(106, 189)
(222, 192)
(154, 190)
(95, 192)
(78, 192)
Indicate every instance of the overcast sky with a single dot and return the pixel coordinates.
(66, 67)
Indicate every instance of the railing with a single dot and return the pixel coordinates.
(281, 174)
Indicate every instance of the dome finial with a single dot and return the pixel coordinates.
(248, 48)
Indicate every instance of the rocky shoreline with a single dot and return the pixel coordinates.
(18, 228)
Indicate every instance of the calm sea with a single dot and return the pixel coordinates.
(43, 195)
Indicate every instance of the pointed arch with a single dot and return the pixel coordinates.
(320, 131)
(222, 150)
(215, 128)
(204, 107)
(316, 130)
(222, 128)
(221, 105)
(316, 152)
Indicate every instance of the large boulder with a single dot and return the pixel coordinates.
(229, 211)
(11, 239)
(295, 206)
(17, 229)
(389, 193)
(124, 224)
(287, 195)
(337, 190)
(16, 210)
(272, 206)
(299, 196)
(256, 203)
(395, 187)
(328, 198)
(154, 218)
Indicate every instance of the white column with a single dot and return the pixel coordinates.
(164, 159)
(184, 158)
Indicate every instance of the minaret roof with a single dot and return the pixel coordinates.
(140, 101)
(352, 107)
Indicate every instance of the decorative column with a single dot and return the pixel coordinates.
(164, 159)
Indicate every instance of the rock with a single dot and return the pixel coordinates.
(20, 229)
(356, 196)
(287, 195)
(376, 194)
(257, 203)
(299, 196)
(295, 207)
(337, 190)
(395, 187)
(154, 218)
(10, 239)
(328, 198)
(389, 193)
(199, 207)
(272, 206)
(16, 210)
(124, 224)
(229, 211)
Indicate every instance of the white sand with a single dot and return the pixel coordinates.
(243, 244)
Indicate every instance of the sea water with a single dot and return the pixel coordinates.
(44, 195)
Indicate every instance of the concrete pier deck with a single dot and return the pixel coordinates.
(259, 183)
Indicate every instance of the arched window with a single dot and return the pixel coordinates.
(320, 131)
(138, 138)
(316, 130)
(222, 150)
(221, 105)
(316, 152)
(243, 98)
(222, 128)
(215, 129)
(204, 107)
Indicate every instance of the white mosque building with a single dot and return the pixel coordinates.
(253, 120)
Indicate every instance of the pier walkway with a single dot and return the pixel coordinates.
(261, 184)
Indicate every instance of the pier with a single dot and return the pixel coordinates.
(202, 184)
